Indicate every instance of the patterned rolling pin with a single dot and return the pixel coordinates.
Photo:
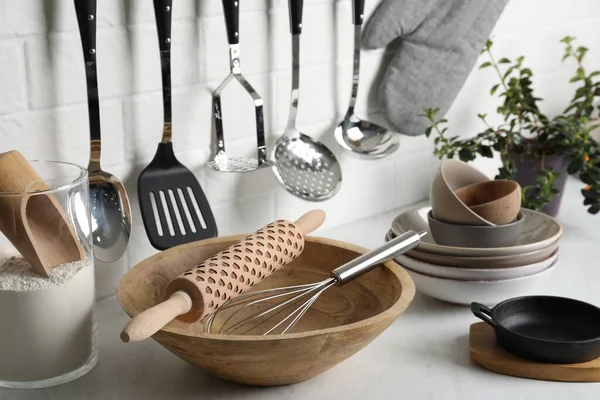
(203, 289)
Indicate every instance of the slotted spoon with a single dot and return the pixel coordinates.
(174, 207)
(304, 166)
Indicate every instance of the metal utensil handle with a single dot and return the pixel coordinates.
(231, 10)
(357, 11)
(370, 260)
(357, 18)
(162, 13)
(296, 7)
(86, 21)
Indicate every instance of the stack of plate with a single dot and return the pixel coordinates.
(462, 275)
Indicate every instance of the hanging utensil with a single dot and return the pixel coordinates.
(109, 204)
(363, 138)
(173, 205)
(241, 320)
(221, 161)
(304, 167)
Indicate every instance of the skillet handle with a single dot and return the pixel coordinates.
(483, 313)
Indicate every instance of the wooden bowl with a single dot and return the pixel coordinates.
(497, 201)
(446, 206)
(342, 322)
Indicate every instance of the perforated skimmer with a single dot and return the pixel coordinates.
(303, 166)
(221, 160)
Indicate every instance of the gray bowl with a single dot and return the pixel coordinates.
(478, 236)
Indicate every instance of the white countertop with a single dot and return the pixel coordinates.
(423, 355)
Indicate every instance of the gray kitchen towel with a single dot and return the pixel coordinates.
(440, 41)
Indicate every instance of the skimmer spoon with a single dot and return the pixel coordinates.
(304, 167)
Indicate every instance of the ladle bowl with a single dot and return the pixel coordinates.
(365, 139)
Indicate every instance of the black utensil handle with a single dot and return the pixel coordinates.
(231, 10)
(357, 12)
(86, 21)
(296, 7)
(482, 312)
(162, 13)
(163, 10)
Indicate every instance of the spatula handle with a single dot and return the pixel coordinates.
(162, 12)
(296, 7)
(150, 321)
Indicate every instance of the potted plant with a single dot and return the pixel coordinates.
(536, 151)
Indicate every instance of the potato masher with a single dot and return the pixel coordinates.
(221, 161)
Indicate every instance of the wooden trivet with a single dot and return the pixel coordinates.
(485, 351)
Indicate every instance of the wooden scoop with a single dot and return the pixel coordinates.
(34, 223)
(203, 289)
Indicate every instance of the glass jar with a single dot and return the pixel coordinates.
(47, 290)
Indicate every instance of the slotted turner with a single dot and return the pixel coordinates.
(173, 205)
(221, 160)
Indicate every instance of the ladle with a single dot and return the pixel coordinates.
(363, 138)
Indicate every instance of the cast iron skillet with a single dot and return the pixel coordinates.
(545, 328)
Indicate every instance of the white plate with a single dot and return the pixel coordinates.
(489, 293)
(539, 231)
(487, 274)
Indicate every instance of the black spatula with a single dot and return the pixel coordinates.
(173, 205)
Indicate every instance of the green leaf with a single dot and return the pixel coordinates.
(526, 71)
(504, 60)
(521, 59)
(594, 209)
(486, 151)
(428, 131)
(466, 155)
(595, 73)
(575, 79)
(485, 65)
(493, 90)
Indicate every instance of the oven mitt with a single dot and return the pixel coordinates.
(440, 41)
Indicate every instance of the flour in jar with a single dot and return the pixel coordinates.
(17, 275)
(47, 325)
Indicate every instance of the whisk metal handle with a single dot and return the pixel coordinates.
(370, 260)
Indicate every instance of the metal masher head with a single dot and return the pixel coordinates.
(279, 310)
(221, 161)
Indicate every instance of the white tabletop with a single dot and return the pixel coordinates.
(423, 355)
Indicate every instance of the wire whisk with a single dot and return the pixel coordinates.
(237, 317)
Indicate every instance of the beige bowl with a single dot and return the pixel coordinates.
(446, 206)
(497, 201)
(343, 321)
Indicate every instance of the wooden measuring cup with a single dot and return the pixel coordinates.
(203, 289)
(34, 223)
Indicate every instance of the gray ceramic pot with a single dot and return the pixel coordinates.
(527, 171)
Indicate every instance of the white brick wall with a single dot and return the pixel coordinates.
(43, 110)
